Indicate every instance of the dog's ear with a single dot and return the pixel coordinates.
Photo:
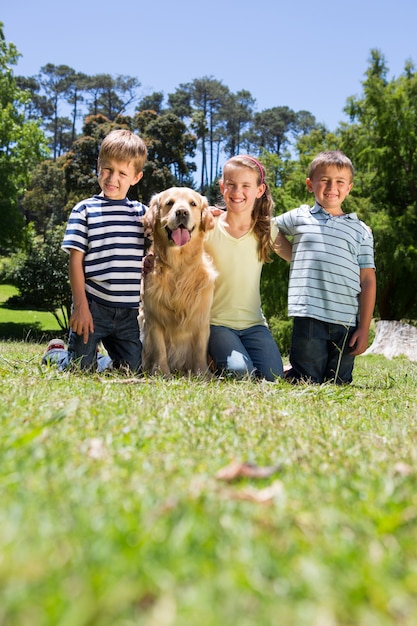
(151, 215)
(207, 218)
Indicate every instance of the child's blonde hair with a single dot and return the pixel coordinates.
(123, 145)
(331, 157)
(263, 208)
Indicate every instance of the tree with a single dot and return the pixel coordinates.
(169, 142)
(45, 199)
(61, 129)
(382, 142)
(239, 113)
(203, 100)
(271, 128)
(22, 146)
(304, 123)
(111, 96)
(180, 101)
(75, 98)
(37, 106)
(152, 102)
(41, 275)
(56, 81)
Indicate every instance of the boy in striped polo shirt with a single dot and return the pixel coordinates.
(105, 241)
(332, 284)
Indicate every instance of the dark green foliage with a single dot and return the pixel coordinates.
(153, 102)
(80, 169)
(281, 330)
(11, 225)
(382, 143)
(46, 198)
(272, 127)
(169, 147)
(274, 287)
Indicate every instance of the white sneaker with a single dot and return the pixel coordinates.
(55, 344)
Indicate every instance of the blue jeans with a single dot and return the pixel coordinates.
(320, 351)
(61, 358)
(118, 329)
(252, 352)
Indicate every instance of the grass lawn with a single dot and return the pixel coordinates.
(111, 513)
(25, 324)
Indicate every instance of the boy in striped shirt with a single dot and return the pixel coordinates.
(332, 285)
(105, 240)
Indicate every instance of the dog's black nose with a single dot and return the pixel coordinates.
(182, 213)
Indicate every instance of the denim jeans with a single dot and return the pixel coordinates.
(61, 358)
(320, 351)
(252, 351)
(118, 329)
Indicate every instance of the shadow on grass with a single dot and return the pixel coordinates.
(29, 332)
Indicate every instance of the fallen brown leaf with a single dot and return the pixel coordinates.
(236, 470)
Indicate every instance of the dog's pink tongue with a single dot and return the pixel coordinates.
(180, 236)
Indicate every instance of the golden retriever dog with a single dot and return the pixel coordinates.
(177, 294)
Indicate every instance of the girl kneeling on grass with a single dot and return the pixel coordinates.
(240, 341)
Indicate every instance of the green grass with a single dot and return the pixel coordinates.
(111, 513)
(27, 325)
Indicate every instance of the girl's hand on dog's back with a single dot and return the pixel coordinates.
(215, 211)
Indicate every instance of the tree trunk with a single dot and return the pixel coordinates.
(393, 339)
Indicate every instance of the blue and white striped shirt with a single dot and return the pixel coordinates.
(110, 234)
(327, 256)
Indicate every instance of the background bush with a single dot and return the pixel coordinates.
(281, 331)
(40, 273)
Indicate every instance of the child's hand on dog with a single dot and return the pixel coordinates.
(148, 263)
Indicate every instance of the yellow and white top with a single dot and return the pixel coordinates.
(237, 300)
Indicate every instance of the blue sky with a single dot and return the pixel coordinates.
(305, 54)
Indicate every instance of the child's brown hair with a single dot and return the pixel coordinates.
(331, 157)
(263, 209)
(123, 145)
